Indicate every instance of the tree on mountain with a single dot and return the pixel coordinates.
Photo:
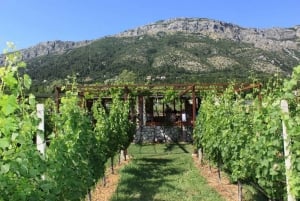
(126, 77)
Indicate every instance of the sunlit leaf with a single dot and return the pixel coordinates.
(4, 143)
(10, 80)
(27, 81)
(31, 99)
(9, 104)
(4, 168)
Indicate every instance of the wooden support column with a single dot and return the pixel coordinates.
(57, 98)
(126, 93)
(40, 137)
(140, 110)
(287, 151)
(194, 105)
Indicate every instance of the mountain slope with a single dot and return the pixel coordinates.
(269, 39)
(166, 55)
(176, 50)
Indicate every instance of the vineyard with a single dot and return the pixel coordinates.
(79, 142)
(239, 132)
(244, 135)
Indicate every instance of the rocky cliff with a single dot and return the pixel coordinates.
(268, 39)
(49, 47)
(274, 39)
(180, 50)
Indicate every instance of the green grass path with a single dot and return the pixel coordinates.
(163, 172)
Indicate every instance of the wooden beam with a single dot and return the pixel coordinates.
(194, 105)
(185, 91)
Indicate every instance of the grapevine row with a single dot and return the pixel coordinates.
(80, 142)
(242, 134)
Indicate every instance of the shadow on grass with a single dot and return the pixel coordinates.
(142, 179)
(141, 146)
(172, 146)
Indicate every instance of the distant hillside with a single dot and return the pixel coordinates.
(50, 47)
(176, 50)
(269, 39)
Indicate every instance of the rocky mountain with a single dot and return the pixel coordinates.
(49, 47)
(273, 39)
(177, 50)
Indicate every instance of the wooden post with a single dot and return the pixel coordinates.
(240, 191)
(140, 110)
(57, 97)
(200, 155)
(287, 154)
(40, 137)
(194, 106)
(144, 117)
(122, 155)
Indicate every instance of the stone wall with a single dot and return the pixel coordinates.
(160, 134)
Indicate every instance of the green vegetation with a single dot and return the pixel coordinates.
(242, 134)
(21, 165)
(162, 172)
(77, 148)
(175, 57)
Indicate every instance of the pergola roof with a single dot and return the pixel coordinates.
(155, 88)
(184, 90)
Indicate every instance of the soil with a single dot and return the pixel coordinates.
(227, 190)
(104, 193)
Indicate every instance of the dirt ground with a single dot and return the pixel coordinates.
(104, 193)
(224, 188)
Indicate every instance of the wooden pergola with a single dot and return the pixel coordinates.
(187, 94)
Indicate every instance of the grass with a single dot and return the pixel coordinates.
(163, 172)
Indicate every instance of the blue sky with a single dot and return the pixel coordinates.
(28, 22)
